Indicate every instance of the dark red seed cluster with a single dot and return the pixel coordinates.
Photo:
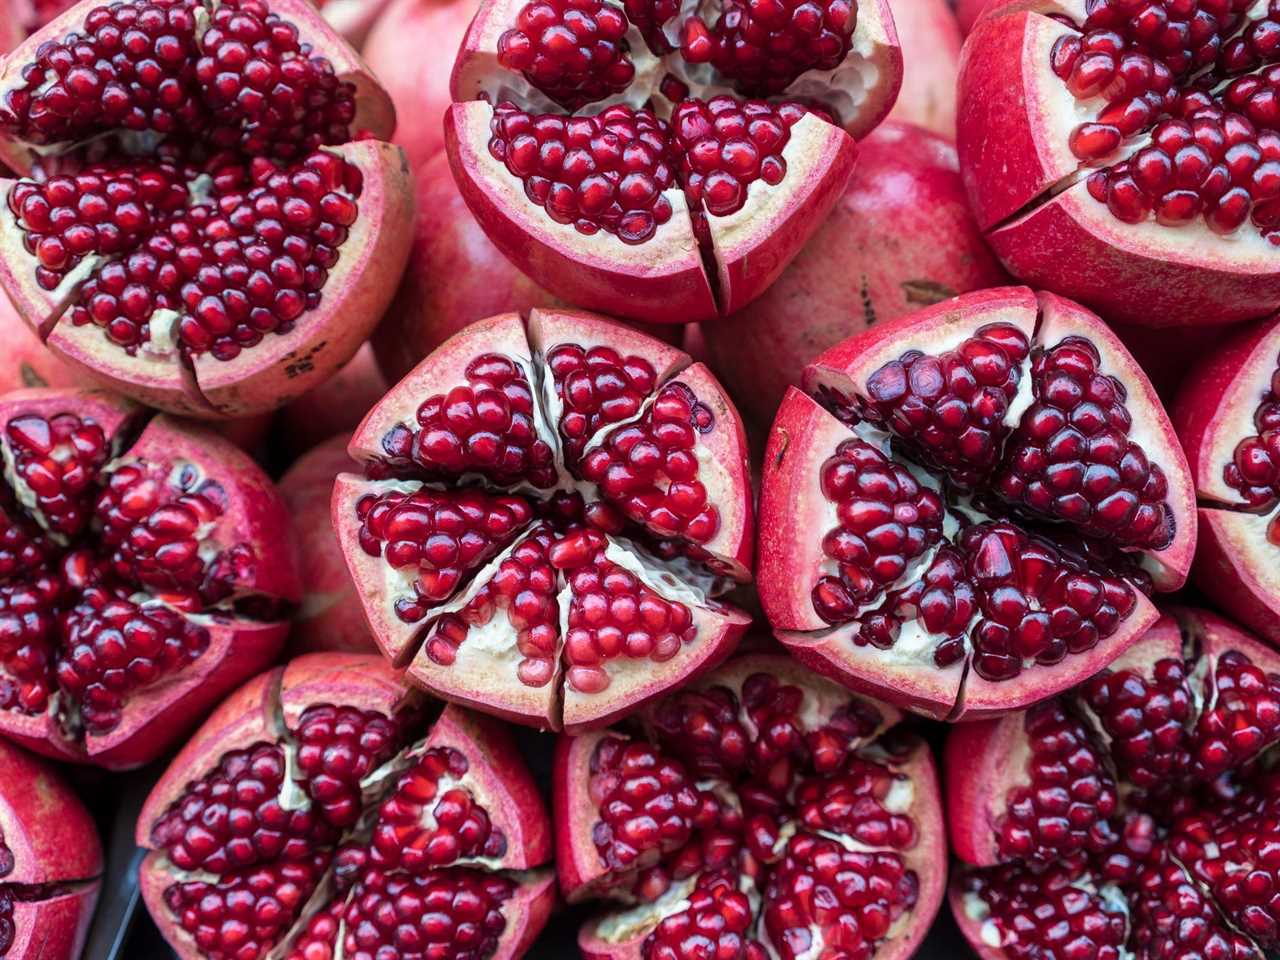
(98, 608)
(227, 233)
(574, 51)
(1201, 84)
(1254, 470)
(736, 798)
(598, 387)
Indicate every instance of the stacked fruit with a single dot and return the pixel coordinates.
(502, 637)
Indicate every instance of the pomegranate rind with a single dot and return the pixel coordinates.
(526, 913)
(32, 364)
(578, 865)
(980, 760)
(501, 783)
(1236, 566)
(358, 680)
(660, 280)
(55, 928)
(1014, 120)
(44, 824)
(548, 328)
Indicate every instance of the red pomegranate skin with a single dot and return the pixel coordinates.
(931, 41)
(329, 617)
(455, 276)
(418, 84)
(900, 238)
(336, 406)
(27, 362)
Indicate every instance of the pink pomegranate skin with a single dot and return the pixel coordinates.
(50, 861)
(900, 238)
(418, 85)
(330, 617)
(931, 42)
(336, 406)
(1215, 412)
(455, 276)
(28, 362)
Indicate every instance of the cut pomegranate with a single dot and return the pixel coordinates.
(50, 862)
(605, 148)
(900, 238)
(760, 812)
(966, 512)
(547, 511)
(1228, 416)
(1135, 816)
(21, 18)
(323, 811)
(209, 220)
(1128, 154)
(145, 567)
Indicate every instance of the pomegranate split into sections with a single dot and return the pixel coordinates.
(1135, 817)
(50, 862)
(146, 569)
(1228, 416)
(326, 810)
(547, 511)
(206, 217)
(1127, 153)
(965, 510)
(761, 812)
(658, 161)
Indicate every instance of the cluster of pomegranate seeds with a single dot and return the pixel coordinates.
(574, 51)
(98, 606)
(775, 826)
(264, 827)
(1197, 82)
(1173, 917)
(228, 232)
(1254, 470)
(763, 46)
(1069, 797)
(604, 172)
(598, 387)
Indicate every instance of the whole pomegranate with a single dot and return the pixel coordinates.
(931, 42)
(455, 276)
(28, 362)
(353, 19)
(145, 567)
(900, 238)
(330, 616)
(547, 510)
(761, 812)
(50, 862)
(335, 407)
(663, 162)
(326, 810)
(418, 85)
(1228, 416)
(1136, 817)
(1128, 154)
(208, 218)
(965, 508)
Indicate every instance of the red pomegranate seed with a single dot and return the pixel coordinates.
(338, 747)
(717, 922)
(598, 387)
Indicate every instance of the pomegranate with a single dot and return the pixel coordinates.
(50, 862)
(968, 11)
(1228, 417)
(1134, 817)
(966, 510)
(1128, 154)
(199, 248)
(546, 515)
(455, 277)
(27, 362)
(418, 85)
(20, 18)
(336, 406)
(659, 162)
(330, 616)
(326, 810)
(900, 238)
(145, 567)
(761, 812)
(353, 19)
(931, 42)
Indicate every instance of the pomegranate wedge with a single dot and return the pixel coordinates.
(548, 509)
(207, 218)
(50, 862)
(1135, 817)
(761, 812)
(146, 568)
(325, 810)
(660, 162)
(1128, 154)
(964, 513)
(1228, 416)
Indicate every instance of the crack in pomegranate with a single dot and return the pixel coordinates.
(1194, 87)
